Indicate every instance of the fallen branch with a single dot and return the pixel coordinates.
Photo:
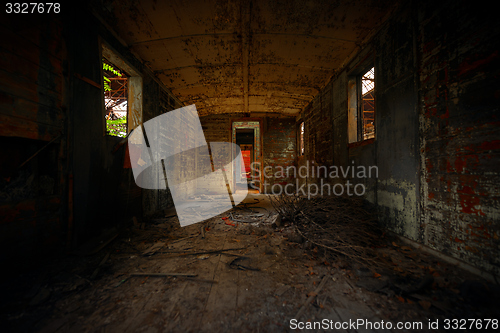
(153, 249)
(163, 274)
(310, 298)
(189, 277)
(345, 226)
(234, 265)
(184, 238)
(183, 253)
(103, 261)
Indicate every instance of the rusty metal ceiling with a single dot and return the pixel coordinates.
(250, 56)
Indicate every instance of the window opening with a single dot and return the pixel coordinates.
(367, 104)
(115, 99)
(361, 106)
(301, 139)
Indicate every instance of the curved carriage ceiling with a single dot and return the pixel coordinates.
(250, 56)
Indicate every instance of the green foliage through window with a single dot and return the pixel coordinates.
(117, 127)
(108, 67)
(107, 81)
(115, 99)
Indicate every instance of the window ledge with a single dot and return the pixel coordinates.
(361, 143)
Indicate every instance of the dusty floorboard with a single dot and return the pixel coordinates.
(261, 292)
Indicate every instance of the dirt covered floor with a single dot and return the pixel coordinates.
(230, 276)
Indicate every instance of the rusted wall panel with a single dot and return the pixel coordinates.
(50, 77)
(460, 149)
(318, 139)
(31, 79)
(32, 134)
(397, 125)
(436, 146)
(217, 128)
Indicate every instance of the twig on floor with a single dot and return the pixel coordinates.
(153, 249)
(183, 253)
(234, 265)
(164, 274)
(310, 298)
(200, 280)
(103, 261)
(121, 282)
(184, 238)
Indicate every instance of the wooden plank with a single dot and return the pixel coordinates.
(139, 314)
(29, 209)
(32, 111)
(38, 71)
(176, 295)
(25, 128)
(310, 298)
(48, 25)
(164, 274)
(223, 297)
(334, 318)
(135, 102)
(185, 314)
(27, 89)
(349, 309)
(87, 80)
(28, 50)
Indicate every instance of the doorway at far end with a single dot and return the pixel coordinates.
(245, 138)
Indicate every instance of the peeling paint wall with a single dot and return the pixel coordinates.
(318, 139)
(436, 146)
(217, 128)
(74, 184)
(459, 118)
(396, 116)
(244, 56)
(88, 130)
(32, 135)
(393, 155)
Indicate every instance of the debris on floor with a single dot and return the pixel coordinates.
(253, 276)
(344, 226)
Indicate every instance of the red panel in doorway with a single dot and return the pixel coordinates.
(246, 159)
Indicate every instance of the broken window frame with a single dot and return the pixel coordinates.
(363, 100)
(134, 86)
(116, 97)
(357, 129)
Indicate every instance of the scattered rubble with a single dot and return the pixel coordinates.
(253, 271)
